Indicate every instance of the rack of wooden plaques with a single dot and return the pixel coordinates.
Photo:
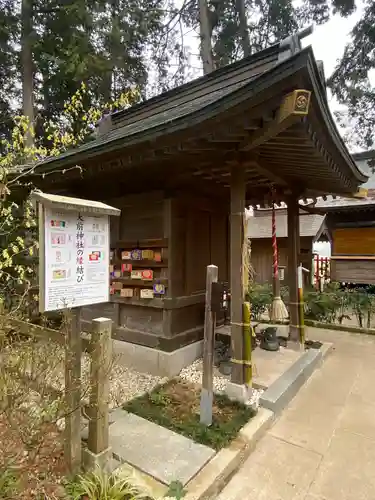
(138, 270)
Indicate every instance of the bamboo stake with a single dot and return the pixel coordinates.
(247, 331)
(301, 308)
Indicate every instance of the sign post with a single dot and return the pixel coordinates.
(208, 350)
(74, 252)
(301, 306)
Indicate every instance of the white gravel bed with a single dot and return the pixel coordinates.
(46, 363)
(193, 374)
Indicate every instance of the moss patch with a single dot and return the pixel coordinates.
(175, 405)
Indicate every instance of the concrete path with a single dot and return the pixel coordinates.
(323, 445)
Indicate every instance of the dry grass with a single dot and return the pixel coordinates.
(38, 470)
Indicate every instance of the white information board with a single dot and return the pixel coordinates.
(76, 259)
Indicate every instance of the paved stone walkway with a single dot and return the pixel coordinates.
(323, 445)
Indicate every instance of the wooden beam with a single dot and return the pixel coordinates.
(237, 208)
(266, 171)
(293, 246)
(292, 109)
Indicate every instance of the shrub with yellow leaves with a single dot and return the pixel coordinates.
(18, 225)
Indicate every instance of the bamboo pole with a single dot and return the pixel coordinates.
(247, 332)
(301, 308)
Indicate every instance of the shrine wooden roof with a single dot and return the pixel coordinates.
(191, 137)
(345, 205)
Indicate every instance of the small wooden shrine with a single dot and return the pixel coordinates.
(260, 233)
(350, 228)
(182, 166)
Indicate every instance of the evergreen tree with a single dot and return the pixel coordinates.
(350, 82)
(8, 24)
(49, 47)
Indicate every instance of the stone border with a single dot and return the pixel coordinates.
(212, 478)
(160, 363)
(340, 328)
(282, 391)
(319, 324)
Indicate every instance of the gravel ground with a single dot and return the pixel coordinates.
(46, 364)
(193, 373)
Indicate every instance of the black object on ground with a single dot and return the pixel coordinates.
(283, 342)
(313, 344)
(269, 341)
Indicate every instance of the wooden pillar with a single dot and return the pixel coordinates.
(293, 252)
(237, 208)
(73, 353)
(208, 350)
(101, 362)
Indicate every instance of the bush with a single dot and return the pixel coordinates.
(322, 306)
(9, 483)
(99, 485)
(260, 297)
(362, 304)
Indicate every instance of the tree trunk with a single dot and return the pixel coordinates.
(205, 36)
(244, 31)
(27, 68)
(108, 78)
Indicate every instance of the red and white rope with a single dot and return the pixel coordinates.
(274, 244)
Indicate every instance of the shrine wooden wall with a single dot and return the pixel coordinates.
(353, 246)
(194, 234)
(262, 258)
(354, 241)
(353, 271)
(199, 237)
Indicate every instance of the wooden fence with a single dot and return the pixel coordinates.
(322, 271)
(99, 347)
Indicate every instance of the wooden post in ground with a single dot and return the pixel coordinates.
(73, 354)
(293, 245)
(237, 209)
(301, 309)
(101, 361)
(208, 350)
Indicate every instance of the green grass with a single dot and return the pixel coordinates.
(175, 405)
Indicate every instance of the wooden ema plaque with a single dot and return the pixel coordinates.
(147, 274)
(136, 254)
(157, 256)
(159, 289)
(147, 254)
(146, 293)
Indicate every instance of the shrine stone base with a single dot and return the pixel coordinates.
(154, 361)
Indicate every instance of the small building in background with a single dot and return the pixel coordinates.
(350, 229)
(260, 232)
